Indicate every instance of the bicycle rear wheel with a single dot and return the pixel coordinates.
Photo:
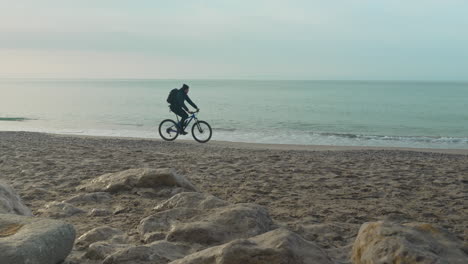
(168, 130)
(201, 131)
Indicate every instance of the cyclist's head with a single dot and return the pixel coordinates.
(185, 88)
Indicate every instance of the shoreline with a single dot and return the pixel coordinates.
(267, 146)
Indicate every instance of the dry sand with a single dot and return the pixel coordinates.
(335, 189)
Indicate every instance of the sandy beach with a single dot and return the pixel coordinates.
(303, 187)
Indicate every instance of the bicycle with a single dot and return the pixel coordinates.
(201, 130)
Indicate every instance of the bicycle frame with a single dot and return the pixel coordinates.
(187, 121)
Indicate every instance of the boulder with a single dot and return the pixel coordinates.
(10, 202)
(103, 233)
(197, 200)
(208, 227)
(137, 178)
(28, 240)
(388, 242)
(95, 197)
(59, 210)
(279, 246)
(158, 252)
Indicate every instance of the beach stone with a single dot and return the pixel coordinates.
(95, 197)
(197, 200)
(28, 240)
(102, 249)
(160, 252)
(103, 233)
(208, 227)
(10, 202)
(387, 242)
(137, 178)
(99, 212)
(59, 210)
(279, 246)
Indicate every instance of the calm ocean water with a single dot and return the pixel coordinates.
(351, 113)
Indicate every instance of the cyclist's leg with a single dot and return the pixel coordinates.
(180, 112)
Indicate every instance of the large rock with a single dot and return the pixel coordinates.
(27, 240)
(137, 178)
(275, 247)
(387, 242)
(10, 202)
(59, 210)
(208, 227)
(160, 252)
(197, 200)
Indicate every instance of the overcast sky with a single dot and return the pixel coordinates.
(235, 39)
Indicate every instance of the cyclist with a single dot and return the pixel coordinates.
(179, 108)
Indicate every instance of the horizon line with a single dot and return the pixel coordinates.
(228, 79)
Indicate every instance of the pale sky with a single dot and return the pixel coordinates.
(235, 39)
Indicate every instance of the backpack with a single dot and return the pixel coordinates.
(171, 98)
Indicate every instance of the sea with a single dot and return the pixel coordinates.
(341, 113)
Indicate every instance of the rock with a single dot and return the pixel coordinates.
(10, 202)
(158, 252)
(96, 197)
(137, 178)
(100, 250)
(119, 209)
(154, 236)
(162, 222)
(99, 212)
(28, 240)
(59, 210)
(387, 242)
(192, 200)
(208, 227)
(103, 233)
(279, 246)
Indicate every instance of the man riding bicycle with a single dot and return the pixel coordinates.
(178, 105)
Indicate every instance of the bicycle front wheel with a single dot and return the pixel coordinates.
(168, 130)
(201, 131)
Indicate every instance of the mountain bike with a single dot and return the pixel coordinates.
(201, 130)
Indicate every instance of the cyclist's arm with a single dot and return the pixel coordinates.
(190, 102)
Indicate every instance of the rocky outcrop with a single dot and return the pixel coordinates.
(208, 227)
(10, 202)
(137, 178)
(387, 242)
(275, 247)
(28, 240)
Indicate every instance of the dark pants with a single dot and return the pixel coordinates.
(180, 112)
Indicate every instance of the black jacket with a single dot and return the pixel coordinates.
(181, 97)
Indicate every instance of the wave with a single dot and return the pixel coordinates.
(422, 139)
(14, 119)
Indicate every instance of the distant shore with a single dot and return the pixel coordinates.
(303, 187)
